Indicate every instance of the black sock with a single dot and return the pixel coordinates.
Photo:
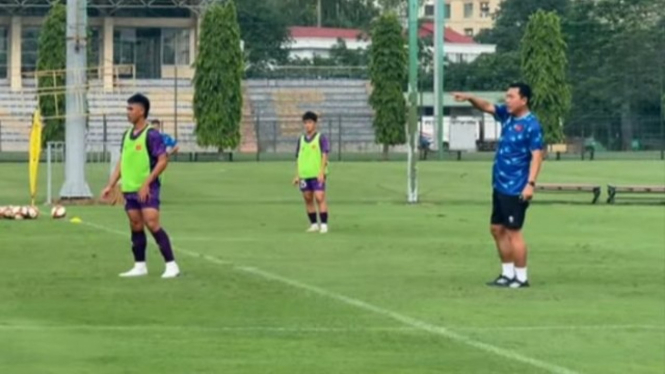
(139, 244)
(324, 217)
(164, 244)
(312, 218)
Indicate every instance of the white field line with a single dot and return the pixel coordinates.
(406, 320)
(177, 328)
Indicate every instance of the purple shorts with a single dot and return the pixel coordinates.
(312, 184)
(132, 200)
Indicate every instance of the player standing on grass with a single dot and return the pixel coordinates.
(312, 155)
(142, 160)
(516, 166)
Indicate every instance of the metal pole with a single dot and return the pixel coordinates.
(339, 137)
(75, 186)
(105, 136)
(412, 127)
(318, 13)
(439, 27)
(175, 95)
(49, 176)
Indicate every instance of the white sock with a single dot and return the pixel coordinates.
(171, 264)
(508, 270)
(520, 273)
(140, 265)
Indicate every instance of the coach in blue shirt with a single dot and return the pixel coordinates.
(516, 166)
(170, 143)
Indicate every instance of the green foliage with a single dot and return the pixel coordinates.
(544, 66)
(52, 55)
(388, 71)
(512, 18)
(334, 13)
(264, 33)
(616, 64)
(217, 80)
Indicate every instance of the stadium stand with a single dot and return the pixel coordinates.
(16, 110)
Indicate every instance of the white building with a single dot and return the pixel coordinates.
(307, 42)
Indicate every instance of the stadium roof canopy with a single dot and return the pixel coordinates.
(107, 5)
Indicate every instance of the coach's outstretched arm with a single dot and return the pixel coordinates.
(478, 103)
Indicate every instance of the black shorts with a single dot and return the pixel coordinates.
(508, 211)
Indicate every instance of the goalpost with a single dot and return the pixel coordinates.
(102, 151)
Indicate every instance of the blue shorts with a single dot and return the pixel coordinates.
(132, 200)
(312, 184)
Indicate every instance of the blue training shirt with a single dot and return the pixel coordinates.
(519, 137)
(168, 141)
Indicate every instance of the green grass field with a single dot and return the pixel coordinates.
(391, 289)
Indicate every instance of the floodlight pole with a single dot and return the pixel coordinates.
(75, 186)
(412, 127)
(439, 27)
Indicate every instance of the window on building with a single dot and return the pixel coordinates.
(29, 48)
(429, 10)
(94, 44)
(484, 9)
(4, 42)
(175, 45)
(447, 10)
(124, 46)
(468, 32)
(468, 10)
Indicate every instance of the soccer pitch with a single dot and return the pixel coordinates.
(391, 289)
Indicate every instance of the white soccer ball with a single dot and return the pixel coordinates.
(32, 212)
(58, 212)
(23, 210)
(16, 212)
(8, 212)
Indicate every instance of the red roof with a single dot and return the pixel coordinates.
(324, 32)
(449, 35)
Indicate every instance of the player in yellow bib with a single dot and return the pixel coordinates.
(312, 171)
(143, 159)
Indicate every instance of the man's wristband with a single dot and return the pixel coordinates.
(532, 183)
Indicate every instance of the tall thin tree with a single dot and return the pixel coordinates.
(544, 66)
(388, 72)
(218, 78)
(51, 64)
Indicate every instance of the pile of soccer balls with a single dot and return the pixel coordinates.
(29, 212)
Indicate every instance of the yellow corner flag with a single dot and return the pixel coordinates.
(35, 153)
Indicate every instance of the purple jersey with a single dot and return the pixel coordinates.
(155, 146)
(324, 145)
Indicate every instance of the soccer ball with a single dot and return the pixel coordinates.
(8, 212)
(23, 210)
(58, 212)
(31, 212)
(17, 212)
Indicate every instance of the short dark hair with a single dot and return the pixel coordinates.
(310, 116)
(141, 100)
(156, 122)
(524, 91)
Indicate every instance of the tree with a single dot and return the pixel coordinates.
(217, 80)
(544, 66)
(512, 18)
(51, 57)
(388, 72)
(264, 32)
